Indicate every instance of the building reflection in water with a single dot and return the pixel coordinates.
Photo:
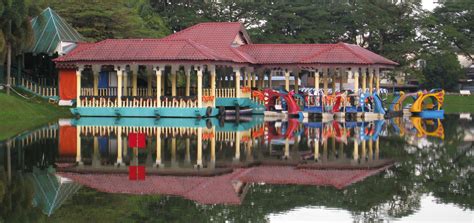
(208, 161)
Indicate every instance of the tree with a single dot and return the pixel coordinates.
(442, 70)
(15, 29)
(98, 20)
(453, 23)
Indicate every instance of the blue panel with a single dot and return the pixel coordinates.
(103, 79)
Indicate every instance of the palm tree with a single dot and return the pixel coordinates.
(15, 29)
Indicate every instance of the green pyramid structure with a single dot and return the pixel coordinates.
(53, 34)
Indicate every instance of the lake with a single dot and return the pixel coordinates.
(252, 170)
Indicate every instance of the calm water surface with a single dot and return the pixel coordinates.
(187, 170)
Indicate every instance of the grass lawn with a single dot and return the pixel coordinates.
(18, 115)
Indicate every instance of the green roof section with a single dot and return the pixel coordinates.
(50, 30)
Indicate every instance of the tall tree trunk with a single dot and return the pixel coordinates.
(9, 66)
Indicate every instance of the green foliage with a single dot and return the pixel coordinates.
(451, 26)
(103, 19)
(15, 27)
(442, 70)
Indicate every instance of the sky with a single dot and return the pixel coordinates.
(428, 4)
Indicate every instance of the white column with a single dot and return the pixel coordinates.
(158, 72)
(316, 149)
(355, 75)
(174, 74)
(95, 73)
(78, 85)
(237, 81)
(270, 79)
(158, 162)
(371, 80)
(134, 71)
(199, 86)
(125, 83)
(119, 146)
(187, 70)
(149, 76)
(237, 146)
(120, 70)
(364, 79)
(78, 145)
(199, 146)
(316, 80)
(377, 79)
(287, 80)
(212, 70)
(325, 80)
(213, 148)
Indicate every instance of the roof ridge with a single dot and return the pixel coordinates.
(197, 46)
(364, 58)
(328, 48)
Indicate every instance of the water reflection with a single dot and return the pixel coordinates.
(374, 170)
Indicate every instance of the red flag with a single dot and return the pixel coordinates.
(136, 140)
(136, 173)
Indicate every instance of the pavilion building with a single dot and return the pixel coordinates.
(202, 68)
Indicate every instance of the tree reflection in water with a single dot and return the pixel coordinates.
(440, 168)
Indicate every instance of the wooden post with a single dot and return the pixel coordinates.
(342, 73)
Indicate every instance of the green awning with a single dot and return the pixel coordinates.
(53, 34)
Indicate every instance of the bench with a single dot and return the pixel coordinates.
(465, 92)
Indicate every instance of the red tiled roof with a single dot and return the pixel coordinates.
(141, 50)
(214, 42)
(340, 53)
(218, 36)
(221, 189)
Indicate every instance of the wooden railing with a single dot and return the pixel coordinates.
(139, 102)
(150, 131)
(98, 101)
(225, 92)
(45, 91)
